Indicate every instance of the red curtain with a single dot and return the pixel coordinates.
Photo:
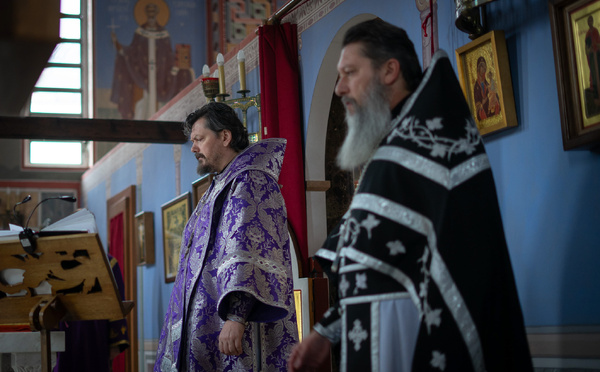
(116, 248)
(280, 115)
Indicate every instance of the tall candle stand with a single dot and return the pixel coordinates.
(210, 86)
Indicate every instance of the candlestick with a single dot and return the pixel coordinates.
(242, 69)
(205, 71)
(221, 64)
(210, 86)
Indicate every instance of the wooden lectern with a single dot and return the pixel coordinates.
(67, 277)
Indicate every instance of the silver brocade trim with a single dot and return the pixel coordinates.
(169, 360)
(167, 366)
(375, 324)
(331, 332)
(176, 330)
(382, 267)
(456, 304)
(262, 263)
(326, 254)
(269, 162)
(375, 298)
(419, 223)
(352, 267)
(449, 178)
(344, 346)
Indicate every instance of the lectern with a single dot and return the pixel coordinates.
(68, 277)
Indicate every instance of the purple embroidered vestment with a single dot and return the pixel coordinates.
(235, 241)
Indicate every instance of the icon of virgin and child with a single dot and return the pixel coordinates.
(485, 94)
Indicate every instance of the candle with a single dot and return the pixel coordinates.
(242, 69)
(205, 71)
(221, 63)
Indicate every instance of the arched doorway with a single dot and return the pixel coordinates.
(316, 137)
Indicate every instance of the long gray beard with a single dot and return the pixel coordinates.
(370, 123)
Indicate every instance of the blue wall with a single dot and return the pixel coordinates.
(548, 197)
(158, 187)
(551, 212)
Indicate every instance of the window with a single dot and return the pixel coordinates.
(61, 91)
(56, 154)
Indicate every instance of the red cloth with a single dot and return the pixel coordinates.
(15, 328)
(115, 249)
(281, 116)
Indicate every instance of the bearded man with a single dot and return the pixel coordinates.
(419, 260)
(232, 305)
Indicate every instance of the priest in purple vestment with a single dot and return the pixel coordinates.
(232, 305)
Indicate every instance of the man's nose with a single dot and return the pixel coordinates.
(341, 87)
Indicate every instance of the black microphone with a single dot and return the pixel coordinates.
(25, 200)
(27, 236)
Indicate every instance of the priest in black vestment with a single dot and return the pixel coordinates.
(419, 260)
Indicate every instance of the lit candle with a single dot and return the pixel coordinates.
(221, 63)
(205, 71)
(242, 68)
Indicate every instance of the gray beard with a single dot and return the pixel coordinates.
(202, 170)
(205, 168)
(370, 123)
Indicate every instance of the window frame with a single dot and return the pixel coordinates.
(84, 90)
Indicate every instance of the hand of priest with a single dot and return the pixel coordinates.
(230, 338)
(310, 354)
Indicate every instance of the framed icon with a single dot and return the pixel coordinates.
(484, 75)
(175, 214)
(576, 43)
(144, 237)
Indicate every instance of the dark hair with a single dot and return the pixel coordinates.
(480, 60)
(382, 41)
(219, 116)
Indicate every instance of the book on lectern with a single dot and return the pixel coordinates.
(82, 221)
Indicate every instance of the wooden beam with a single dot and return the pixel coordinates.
(564, 345)
(79, 129)
(318, 185)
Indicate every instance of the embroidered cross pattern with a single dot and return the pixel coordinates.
(361, 282)
(344, 285)
(438, 360)
(369, 224)
(357, 334)
(396, 247)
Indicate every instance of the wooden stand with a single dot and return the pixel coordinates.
(67, 278)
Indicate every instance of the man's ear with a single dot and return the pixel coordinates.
(226, 137)
(391, 71)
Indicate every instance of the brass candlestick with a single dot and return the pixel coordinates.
(210, 86)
